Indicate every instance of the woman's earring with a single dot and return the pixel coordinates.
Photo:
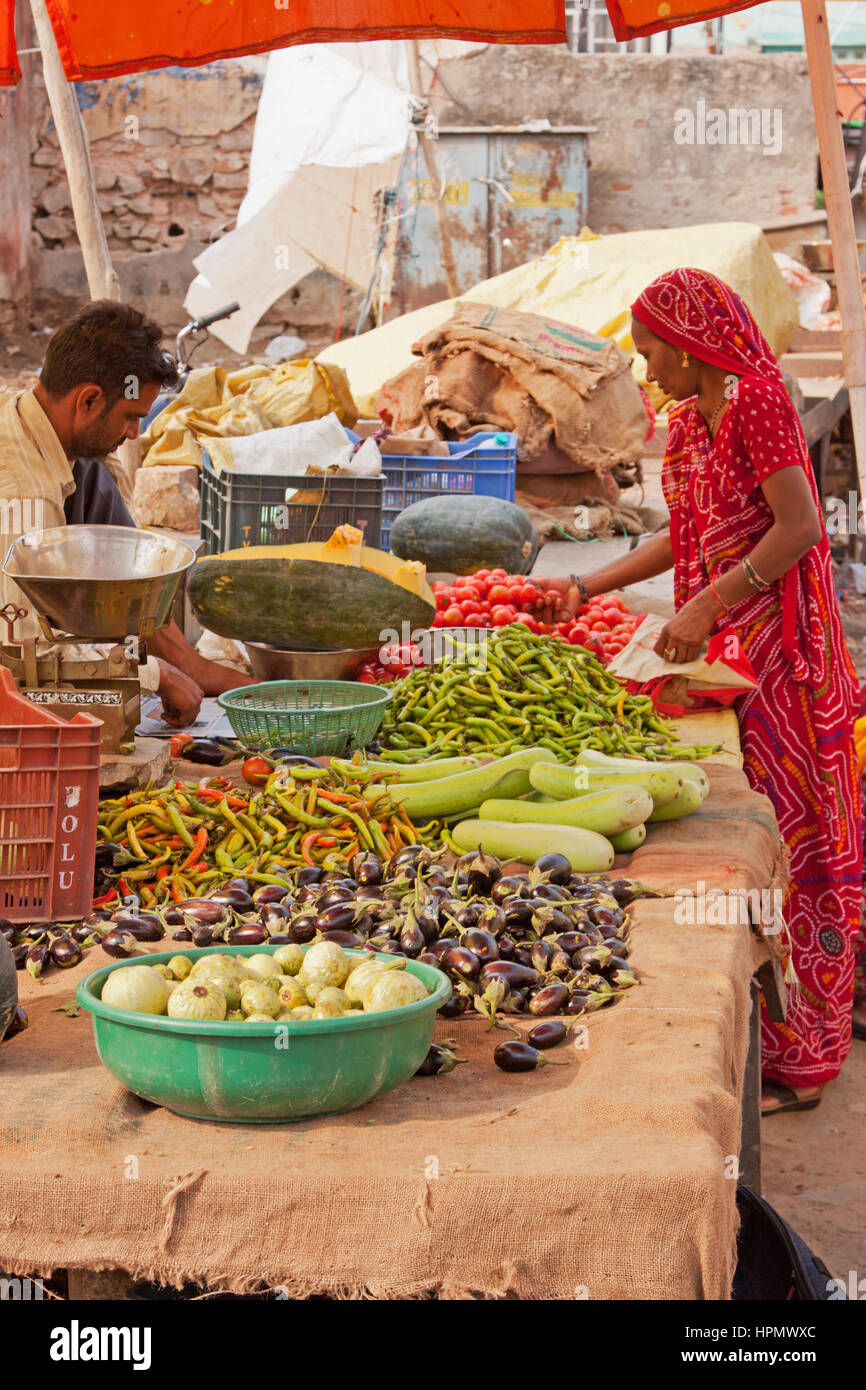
(685, 359)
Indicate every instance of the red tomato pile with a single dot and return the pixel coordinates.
(395, 662)
(492, 598)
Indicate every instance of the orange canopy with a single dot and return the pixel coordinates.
(107, 39)
(631, 19)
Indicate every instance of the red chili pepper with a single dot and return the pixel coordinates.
(197, 850)
(124, 887)
(106, 898)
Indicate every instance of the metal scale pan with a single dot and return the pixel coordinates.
(99, 583)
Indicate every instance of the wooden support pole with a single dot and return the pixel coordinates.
(15, 284)
(101, 276)
(840, 219)
(448, 264)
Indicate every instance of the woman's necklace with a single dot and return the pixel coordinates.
(716, 413)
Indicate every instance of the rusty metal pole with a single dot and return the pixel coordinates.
(448, 264)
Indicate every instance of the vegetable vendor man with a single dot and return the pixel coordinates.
(102, 372)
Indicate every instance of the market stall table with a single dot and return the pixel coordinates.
(609, 1177)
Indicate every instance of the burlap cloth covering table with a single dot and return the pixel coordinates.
(609, 1177)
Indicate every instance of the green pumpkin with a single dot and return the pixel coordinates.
(461, 534)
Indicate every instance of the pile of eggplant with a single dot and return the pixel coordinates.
(544, 942)
(549, 941)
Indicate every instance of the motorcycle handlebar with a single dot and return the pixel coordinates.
(207, 319)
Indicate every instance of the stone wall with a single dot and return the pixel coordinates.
(640, 174)
(170, 152)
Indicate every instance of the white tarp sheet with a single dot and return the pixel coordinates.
(333, 124)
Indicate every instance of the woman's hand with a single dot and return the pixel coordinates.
(683, 637)
(563, 598)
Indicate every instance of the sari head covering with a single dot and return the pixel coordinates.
(699, 313)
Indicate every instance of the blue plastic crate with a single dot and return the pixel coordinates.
(475, 465)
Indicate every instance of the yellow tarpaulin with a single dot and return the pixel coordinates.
(590, 282)
(214, 405)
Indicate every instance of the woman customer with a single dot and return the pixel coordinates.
(749, 552)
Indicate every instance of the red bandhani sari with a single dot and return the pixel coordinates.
(796, 728)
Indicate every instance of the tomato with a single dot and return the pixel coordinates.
(453, 616)
(503, 614)
(471, 615)
(498, 574)
(528, 621)
(500, 593)
(367, 674)
(256, 771)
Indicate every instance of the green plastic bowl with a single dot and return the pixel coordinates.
(261, 1073)
(319, 718)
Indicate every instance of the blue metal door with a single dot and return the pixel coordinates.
(509, 196)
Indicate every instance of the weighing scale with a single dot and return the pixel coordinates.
(112, 585)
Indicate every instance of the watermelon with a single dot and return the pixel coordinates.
(461, 533)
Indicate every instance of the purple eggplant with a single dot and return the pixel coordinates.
(201, 910)
(555, 868)
(454, 1007)
(551, 999)
(235, 898)
(412, 940)
(514, 1056)
(302, 928)
(344, 938)
(274, 916)
(368, 870)
(308, 875)
(463, 962)
(270, 893)
(511, 972)
(482, 943)
(65, 952)
(337, 916)
(247, 934)
(19, 954)
(548, 1034)
(17, 1023)
(38, 958)
(141, 929)
(182, 934)
(507, 887)
(119, 944)
(439, 1061)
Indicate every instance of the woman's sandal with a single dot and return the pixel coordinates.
(787, 1098)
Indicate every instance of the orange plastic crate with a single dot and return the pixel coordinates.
(49, 801)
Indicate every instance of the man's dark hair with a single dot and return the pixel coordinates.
(111, 345)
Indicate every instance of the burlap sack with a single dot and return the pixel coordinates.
(500, 369)
(606, 1178)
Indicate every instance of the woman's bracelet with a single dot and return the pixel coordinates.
(753, 577)
(717, 596)
(580, 587)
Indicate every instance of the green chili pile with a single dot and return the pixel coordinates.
(182, 839)
(521, 690)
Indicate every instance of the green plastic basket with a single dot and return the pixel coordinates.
(314, 717)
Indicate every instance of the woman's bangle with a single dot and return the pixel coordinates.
(717, 596)
(753, 577)
(580, 587)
